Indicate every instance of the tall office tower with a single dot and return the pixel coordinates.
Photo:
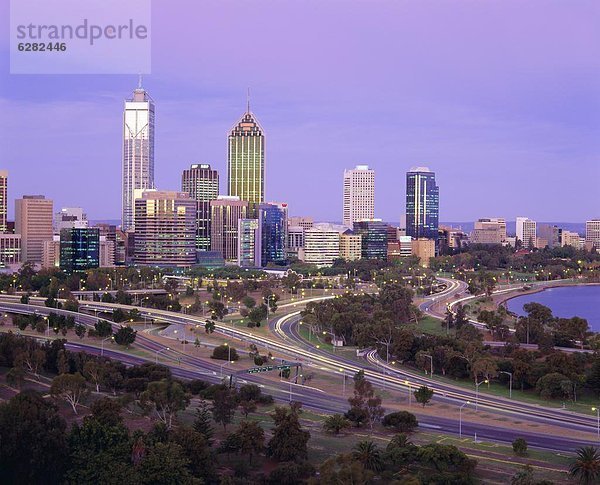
(202, 183)
(79, 249)
(110, 235)
(70, 217)
(322, 244)
(350, 246)
(359, 194)
(526, 232)
(374, 238)
(138, 152)
(548, 235)
(273, 227)
(246, 162)
(165, 229)
(249, 243)
(422, 204)
(51, 253)
(569, 238)
(33, 221)
(3, 200)
(225, 213)
(301, 221)
(424, 249)
(489, 231)
(107, 252)
(592, 233)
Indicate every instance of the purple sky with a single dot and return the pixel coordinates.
(500, 98)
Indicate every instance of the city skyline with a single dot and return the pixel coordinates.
(517, 118)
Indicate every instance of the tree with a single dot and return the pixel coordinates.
(103, 328)
(125, 336)
(33, 445)
(368, 454)
(256, 315)
(336, 423)
(519, 446)
(209, 326)
(586, 466)
(70, 387)
(554, 386)
(225, 352)
(196, 449)
(250, 438)
(289, 440)
(202, 423)
(342, 469)
(523, 476)
(364, 401)
(423, 395)
(71, 305)
(401, 421)
(15, 377)
(165, 463)
(217, 309)
(92, 370)
(166, 398)
(247, 407)
(80, 330)
(224, 405)
(249, 302)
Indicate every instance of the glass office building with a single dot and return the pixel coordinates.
(246, 162)
(422, 204)
(373, 234)
(273, 225)
(79, 249)
(201, 182)
(249, 243)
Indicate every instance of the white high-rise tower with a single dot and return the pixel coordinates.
(138, 151)
(359, 194)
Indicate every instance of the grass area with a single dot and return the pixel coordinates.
(431, 326)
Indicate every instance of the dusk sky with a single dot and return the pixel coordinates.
(500, 98)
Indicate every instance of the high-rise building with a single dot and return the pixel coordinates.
(568, 238)
(3, 200)
(526, 232)
(373, 234)
(424, 249)
(422, 204)
(273, 222)
(322, 244)
(70, 217)
(550, 234)
(225, 213)
(51, 253)
(301, 221)
(107, 252)
(111, 235)
(10, 249)
(33, 221)
(138, 152)
(79, 249)
(295, 241)
(202, 183)
(246, 162)
(165, 229)
(489, 231)
(350, 246)
(249, 243)
(359, 194)
(592, 233)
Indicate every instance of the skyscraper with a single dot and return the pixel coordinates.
(422, 204)
(138, 151)
(33, 221)
(373, 234)
(246, 162)
(165, 229)
(592, 233)
(359, 194)
(273, 222)
(3, 200)
(225, 214)
(79, 249)
(69, 217)
(202, 183)
(249, 243)
(526, 232)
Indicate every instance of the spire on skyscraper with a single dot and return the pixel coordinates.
(140, 81)
(248, 101)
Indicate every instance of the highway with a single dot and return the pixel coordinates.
(187, 366)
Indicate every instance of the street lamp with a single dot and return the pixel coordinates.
(460, 417)
(344, 384)
(102, 344)
(598, 421)
(431, 359)
(477, 384)
(159, 351)
(510, 377)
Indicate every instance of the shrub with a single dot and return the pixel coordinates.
(401, 421)
(225, 352)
